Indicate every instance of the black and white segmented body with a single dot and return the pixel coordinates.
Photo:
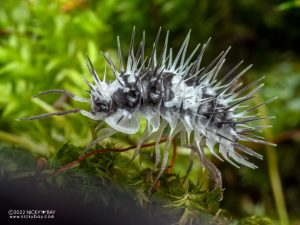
(176, 95)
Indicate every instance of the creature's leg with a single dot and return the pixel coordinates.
(191, 163)
(166, 154)
(88, 114)
(214, 171)
(147, 135)
(157, 140)
(139, 145)
(190, 166)
(108, 132)
(99, 126)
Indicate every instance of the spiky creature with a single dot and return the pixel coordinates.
(176, 95)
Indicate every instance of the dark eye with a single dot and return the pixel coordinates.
(103, 107)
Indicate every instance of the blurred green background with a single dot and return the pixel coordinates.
(43, 46)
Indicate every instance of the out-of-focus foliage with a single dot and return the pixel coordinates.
(255, 220)
(289, 5)
(43, 46)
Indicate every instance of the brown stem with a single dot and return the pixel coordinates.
(75, 162)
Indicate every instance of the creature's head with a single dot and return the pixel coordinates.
(102, 105)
